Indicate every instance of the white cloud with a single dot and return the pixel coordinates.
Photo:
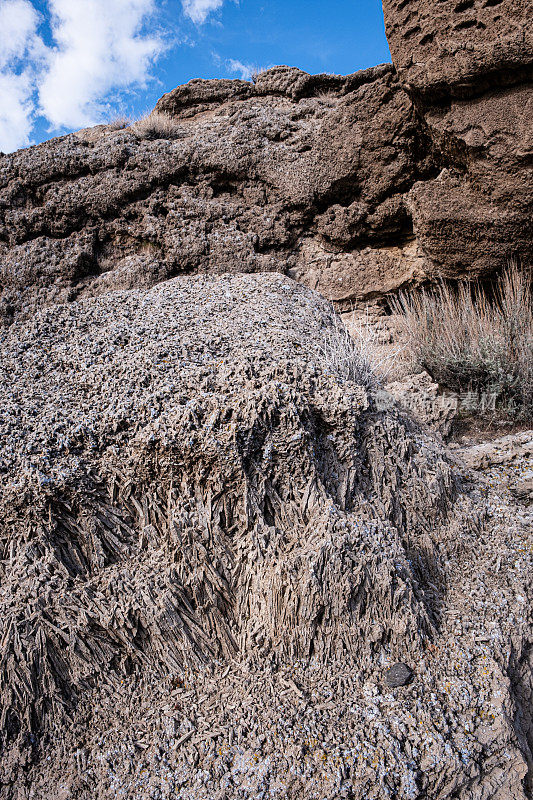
(235, 67)
(18, 23)
(100, 48)
(15, 111)
(199, 10)
(21, 52)
(245, 71)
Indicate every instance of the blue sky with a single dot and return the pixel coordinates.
(65, 64)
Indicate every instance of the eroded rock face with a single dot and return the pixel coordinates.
(355, 186)
(213, 548)
(459, 47)
(419, 395)
(468, 67)
(256, 178)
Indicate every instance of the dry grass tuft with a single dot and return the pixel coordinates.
(257, 72)
(357, 356)
(157, 125)
(118, 124)
(473, 341)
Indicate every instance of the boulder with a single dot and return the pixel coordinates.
(398, 675)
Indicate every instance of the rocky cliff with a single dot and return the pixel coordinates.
(230, 566)
(353, 185)
(468, 68)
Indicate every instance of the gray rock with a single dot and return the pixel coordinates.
(399, 675)
(521, 486)
(420, 395)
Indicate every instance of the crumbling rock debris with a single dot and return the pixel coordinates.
(398, 675)
(508, 460)
(211, 549)
(521, 486)
(515, 448)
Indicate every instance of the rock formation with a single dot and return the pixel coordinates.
(300, 174)
(199, 515)
(467, 66)
(353, 185)
(459, 48)
(230, 565)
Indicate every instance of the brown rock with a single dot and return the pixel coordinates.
(337, 181)
(253, 177)
(459, 47)
(420, 395)
(468, 64)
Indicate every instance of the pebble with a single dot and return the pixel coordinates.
(399, 675)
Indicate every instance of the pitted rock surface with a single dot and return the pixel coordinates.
(460, 47)
(256, 179)
(344, 183)
(468, 66)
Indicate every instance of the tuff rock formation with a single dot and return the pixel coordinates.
(214, 546)
(460, 48)
(300, 174)
(468, 67)
(354, 186)
(217, 536)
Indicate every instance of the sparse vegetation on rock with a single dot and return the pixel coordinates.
(474, 340)
(157, 125)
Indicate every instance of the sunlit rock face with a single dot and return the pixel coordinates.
(468, 67)
(355, 186)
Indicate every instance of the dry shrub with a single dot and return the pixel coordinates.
(475, 341)
(157, 125)
(118, 124)
(256, 73)
(357, 356)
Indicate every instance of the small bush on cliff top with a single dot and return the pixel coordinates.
(474, 342)
(118, 123)
(157, 125)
